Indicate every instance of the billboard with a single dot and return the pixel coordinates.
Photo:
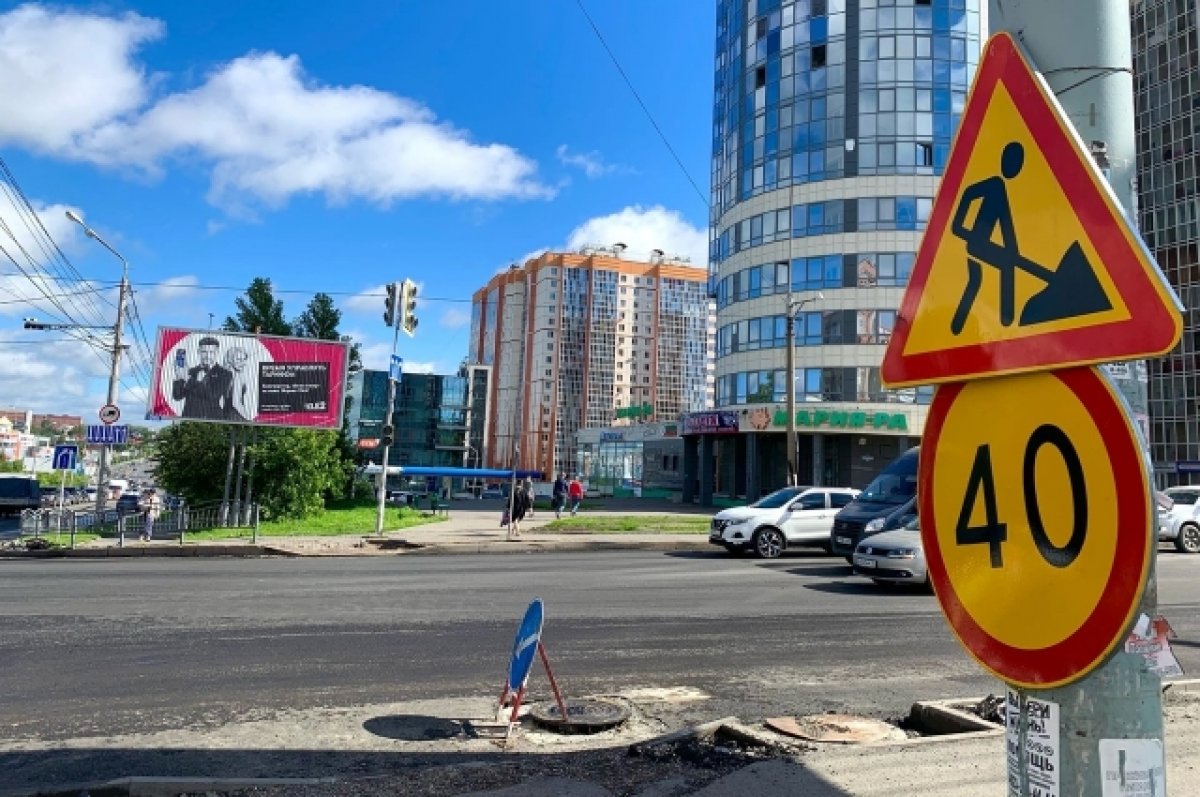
(257, 380)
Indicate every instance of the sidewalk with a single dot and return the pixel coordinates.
(472, 527)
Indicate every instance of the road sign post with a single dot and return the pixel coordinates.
(65, 457)
(1038, 524)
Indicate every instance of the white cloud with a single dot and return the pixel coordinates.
(643, 229)
(63, 74)
(367, 301)
(421, 368)
(172, 289)
(266, 129)
(42, 372)
(591, 163)
(455, 318)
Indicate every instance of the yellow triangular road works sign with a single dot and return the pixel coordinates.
(1028, 262)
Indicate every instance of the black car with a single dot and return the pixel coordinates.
(127, 503)
(889, 502)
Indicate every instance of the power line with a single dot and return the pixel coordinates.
(645, 110)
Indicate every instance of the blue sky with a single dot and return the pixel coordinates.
(333, 147)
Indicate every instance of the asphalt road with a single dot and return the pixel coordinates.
(93, 648)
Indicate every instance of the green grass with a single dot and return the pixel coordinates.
(340, 518)
(63, 539)
(627, 524)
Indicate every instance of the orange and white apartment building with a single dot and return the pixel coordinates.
(589, 339)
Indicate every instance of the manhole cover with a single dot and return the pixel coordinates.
(590, 715)
(836, 728)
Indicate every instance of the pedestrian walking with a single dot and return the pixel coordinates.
(530, 493)
(559, 494)
(520, 507)
(151, 507)
(575, 493)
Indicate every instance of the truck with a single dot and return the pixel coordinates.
(18, 492)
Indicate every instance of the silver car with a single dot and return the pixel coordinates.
(893, 557)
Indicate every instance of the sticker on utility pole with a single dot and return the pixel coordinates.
(1151, 639)
(1033, 756)
(1132, 768)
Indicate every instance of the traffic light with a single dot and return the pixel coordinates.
(389, 304)
(388, 436)
(408, 307)
(33, 323)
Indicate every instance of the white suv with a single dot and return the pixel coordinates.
(787, 517)
(1181, 522)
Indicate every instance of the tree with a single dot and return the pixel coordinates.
(320, 320)
(191, 460)
(259, 311)
(296, 469)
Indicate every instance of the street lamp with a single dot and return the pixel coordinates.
(114, 366)
(793, 309)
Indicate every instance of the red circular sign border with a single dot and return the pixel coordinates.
(1083, 650)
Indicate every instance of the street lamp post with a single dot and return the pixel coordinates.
(793, 309)
(115, 365)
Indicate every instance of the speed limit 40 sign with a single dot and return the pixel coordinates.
(1034, 504)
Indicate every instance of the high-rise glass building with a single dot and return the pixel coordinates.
(832, 122)
(1167, 103)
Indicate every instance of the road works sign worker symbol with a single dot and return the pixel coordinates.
(1071, 290)
(1028, 262)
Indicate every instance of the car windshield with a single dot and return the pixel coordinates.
(778, 498)
(895, 485)
(1187, 497)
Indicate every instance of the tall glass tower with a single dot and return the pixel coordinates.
(832, 121)
(1167, 101)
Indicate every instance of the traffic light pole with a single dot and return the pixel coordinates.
(387, 424)
(1083, 50)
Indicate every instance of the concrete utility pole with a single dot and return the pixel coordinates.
(114, 370)
(1083, 50)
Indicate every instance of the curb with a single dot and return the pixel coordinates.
(171, 787)
(397, 547)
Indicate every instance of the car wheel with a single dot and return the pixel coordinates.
(1188, 540)
(768, 543)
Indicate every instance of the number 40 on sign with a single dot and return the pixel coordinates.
(1017, 507)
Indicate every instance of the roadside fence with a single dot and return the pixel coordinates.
(41, 524)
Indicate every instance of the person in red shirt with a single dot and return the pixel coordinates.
(575, 493)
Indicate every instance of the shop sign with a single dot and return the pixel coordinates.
(710, 423)
(611, 437)
(845, 419)
(639, 411)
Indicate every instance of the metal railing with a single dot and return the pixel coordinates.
(171, 524)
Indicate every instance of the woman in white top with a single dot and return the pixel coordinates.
(242, 404)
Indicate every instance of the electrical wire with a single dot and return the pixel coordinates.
(640, 102)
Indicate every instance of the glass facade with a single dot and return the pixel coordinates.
(832, 122)
(430, 416)
(1167, 102)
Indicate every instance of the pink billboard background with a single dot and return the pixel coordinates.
(257, 380)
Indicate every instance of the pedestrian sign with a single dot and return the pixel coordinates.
(1034, 523)
(1028, 262)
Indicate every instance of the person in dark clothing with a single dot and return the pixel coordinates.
(559, 494)
(203, 389)
(521, 504)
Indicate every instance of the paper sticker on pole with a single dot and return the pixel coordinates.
(1028, 262)
(1034, 506)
